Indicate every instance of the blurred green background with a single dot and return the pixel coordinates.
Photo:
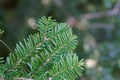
(95, 22)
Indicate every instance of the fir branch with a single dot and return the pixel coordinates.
(68, 68)
(40, 56)
(49, 59)
(30, 44)
(1, 60)
(6, 45)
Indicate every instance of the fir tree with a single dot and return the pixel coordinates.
(46, 55)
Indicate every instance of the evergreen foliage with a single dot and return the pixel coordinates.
(48, 54)
(1, 31)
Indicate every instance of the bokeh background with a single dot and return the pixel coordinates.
(95, 22)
